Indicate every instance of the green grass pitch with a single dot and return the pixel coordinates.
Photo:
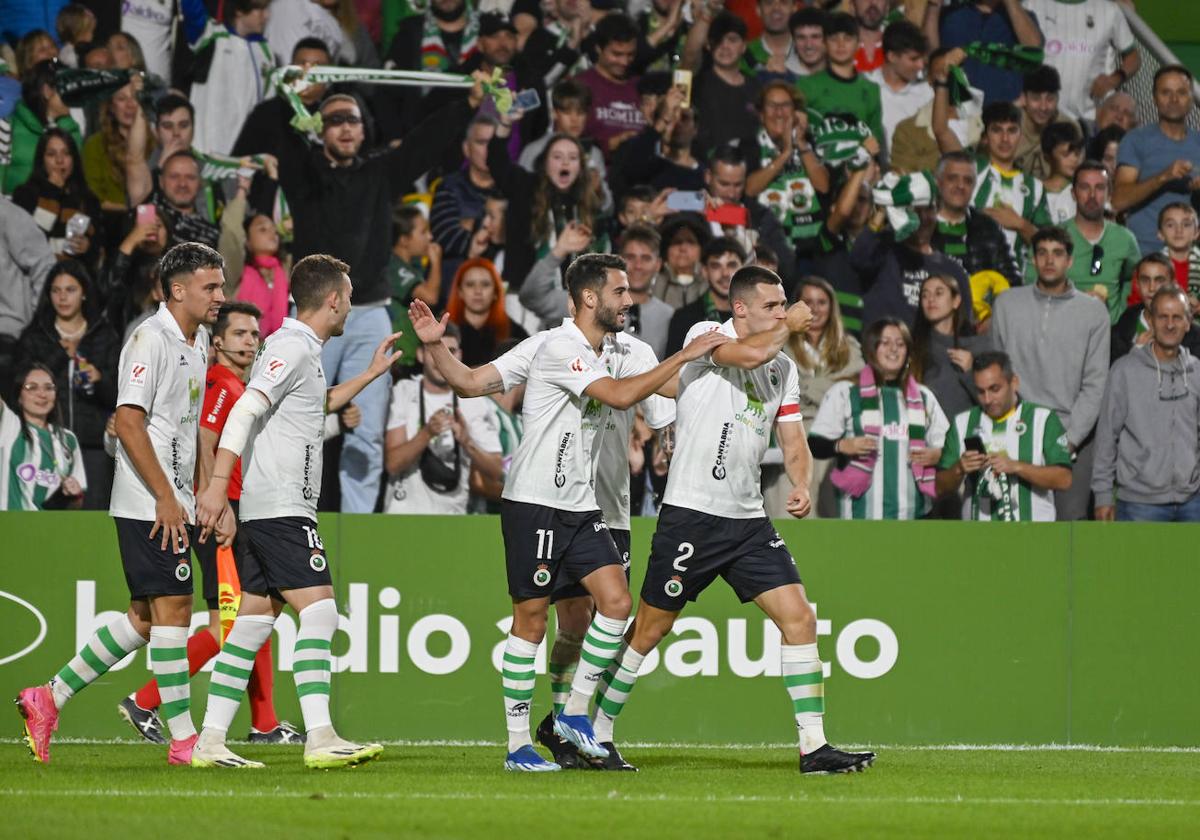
(126, 790)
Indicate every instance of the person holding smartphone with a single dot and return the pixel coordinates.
(1012, 453)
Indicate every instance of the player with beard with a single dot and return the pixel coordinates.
(277, 427)
(712, 521)
(158, 410)
(553, 528)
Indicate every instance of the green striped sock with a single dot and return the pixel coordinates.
(600, 648)
(108, 646)
(613, 691)
(518, 675)
(564, 656)
(313, 662)
(803, 675)
(232, 669)
(168, 658)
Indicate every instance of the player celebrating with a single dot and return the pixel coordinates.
(712, 520)
(235, 342)
(158, 406)
(550, 518)
(277, 429)
(623, 355)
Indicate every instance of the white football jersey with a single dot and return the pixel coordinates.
(162, 374)
(723, 426)
(281, 464)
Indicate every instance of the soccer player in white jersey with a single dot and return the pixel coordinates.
(551, 519)
(623, 355)
(161, 378)
(277, 427)
(712, 520)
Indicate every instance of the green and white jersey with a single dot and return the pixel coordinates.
(235, 78)
(35, 465)
(1022, 192)
(1031, 434)
(893, 493)
(791, 197)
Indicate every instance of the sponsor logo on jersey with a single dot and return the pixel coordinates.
(754, 404)
(542, 576)
(182, 360)
(274, 368)
(138, 374)
(560, 478)
(718, 470)
(307, 491)
(176, 464)
(29, 473)
(599, 526)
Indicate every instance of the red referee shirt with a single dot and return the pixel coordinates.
(222, 389)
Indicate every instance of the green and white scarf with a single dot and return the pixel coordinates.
(901, 194)
(1015, 57)
(791, 196)
(840, 143)
(434, 57)
(998, 487)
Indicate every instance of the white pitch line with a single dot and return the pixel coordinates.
(611, 797)
(679, 745)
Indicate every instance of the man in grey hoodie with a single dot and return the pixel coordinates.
(25, 260)
(1058, 339)
(1148, 437)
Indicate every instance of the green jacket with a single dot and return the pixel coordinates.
(27, 129)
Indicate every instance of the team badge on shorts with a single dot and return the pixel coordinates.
(674, 587)
(183, 571)
(542, 576)
(317, 562)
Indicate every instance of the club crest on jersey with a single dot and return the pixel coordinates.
(274, 368)
(138, 374)
(317, 562)
(674, 587)
(183, 572)
(542, 576)
(1020, 428)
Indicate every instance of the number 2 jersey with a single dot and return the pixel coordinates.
(724, 418)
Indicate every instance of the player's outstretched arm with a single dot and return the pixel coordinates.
(625, 393)
(797, 461)
(466, 381)
(337, 397)
(756, 350)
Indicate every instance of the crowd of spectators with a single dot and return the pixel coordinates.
(1002, 264)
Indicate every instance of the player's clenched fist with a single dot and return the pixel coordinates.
(799, 316)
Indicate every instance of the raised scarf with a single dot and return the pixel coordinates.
(854, 479)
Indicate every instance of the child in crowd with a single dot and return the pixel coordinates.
(265, 276)
(1178, 228)
(1062, 144)
(76, 25)
(411, 278)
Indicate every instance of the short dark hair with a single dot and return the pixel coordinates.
(638, 192)
(615, 27)
(310, 43)
(313, 278)
(1088, 166)
(749, 277)
(243, 7)
(764, 253)
(173, 102)
(988, 358)
(1061, 132)
(1053, 234)
(1172, 68)
(404, 220)
(728, 154)
(645, 234)
(1001, 112)
(904, 36)
(234, 307)
(1045, 79)
(720, 246)
(1174, 205)
(723, 24)
(569, 92)
(840, 23)
(808, 16)
(186, 258)
(1099, 144)
(1157, 259)
(590, 272)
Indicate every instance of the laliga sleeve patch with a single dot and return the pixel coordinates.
(274, 368)
(138, 374)
(577, 365)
